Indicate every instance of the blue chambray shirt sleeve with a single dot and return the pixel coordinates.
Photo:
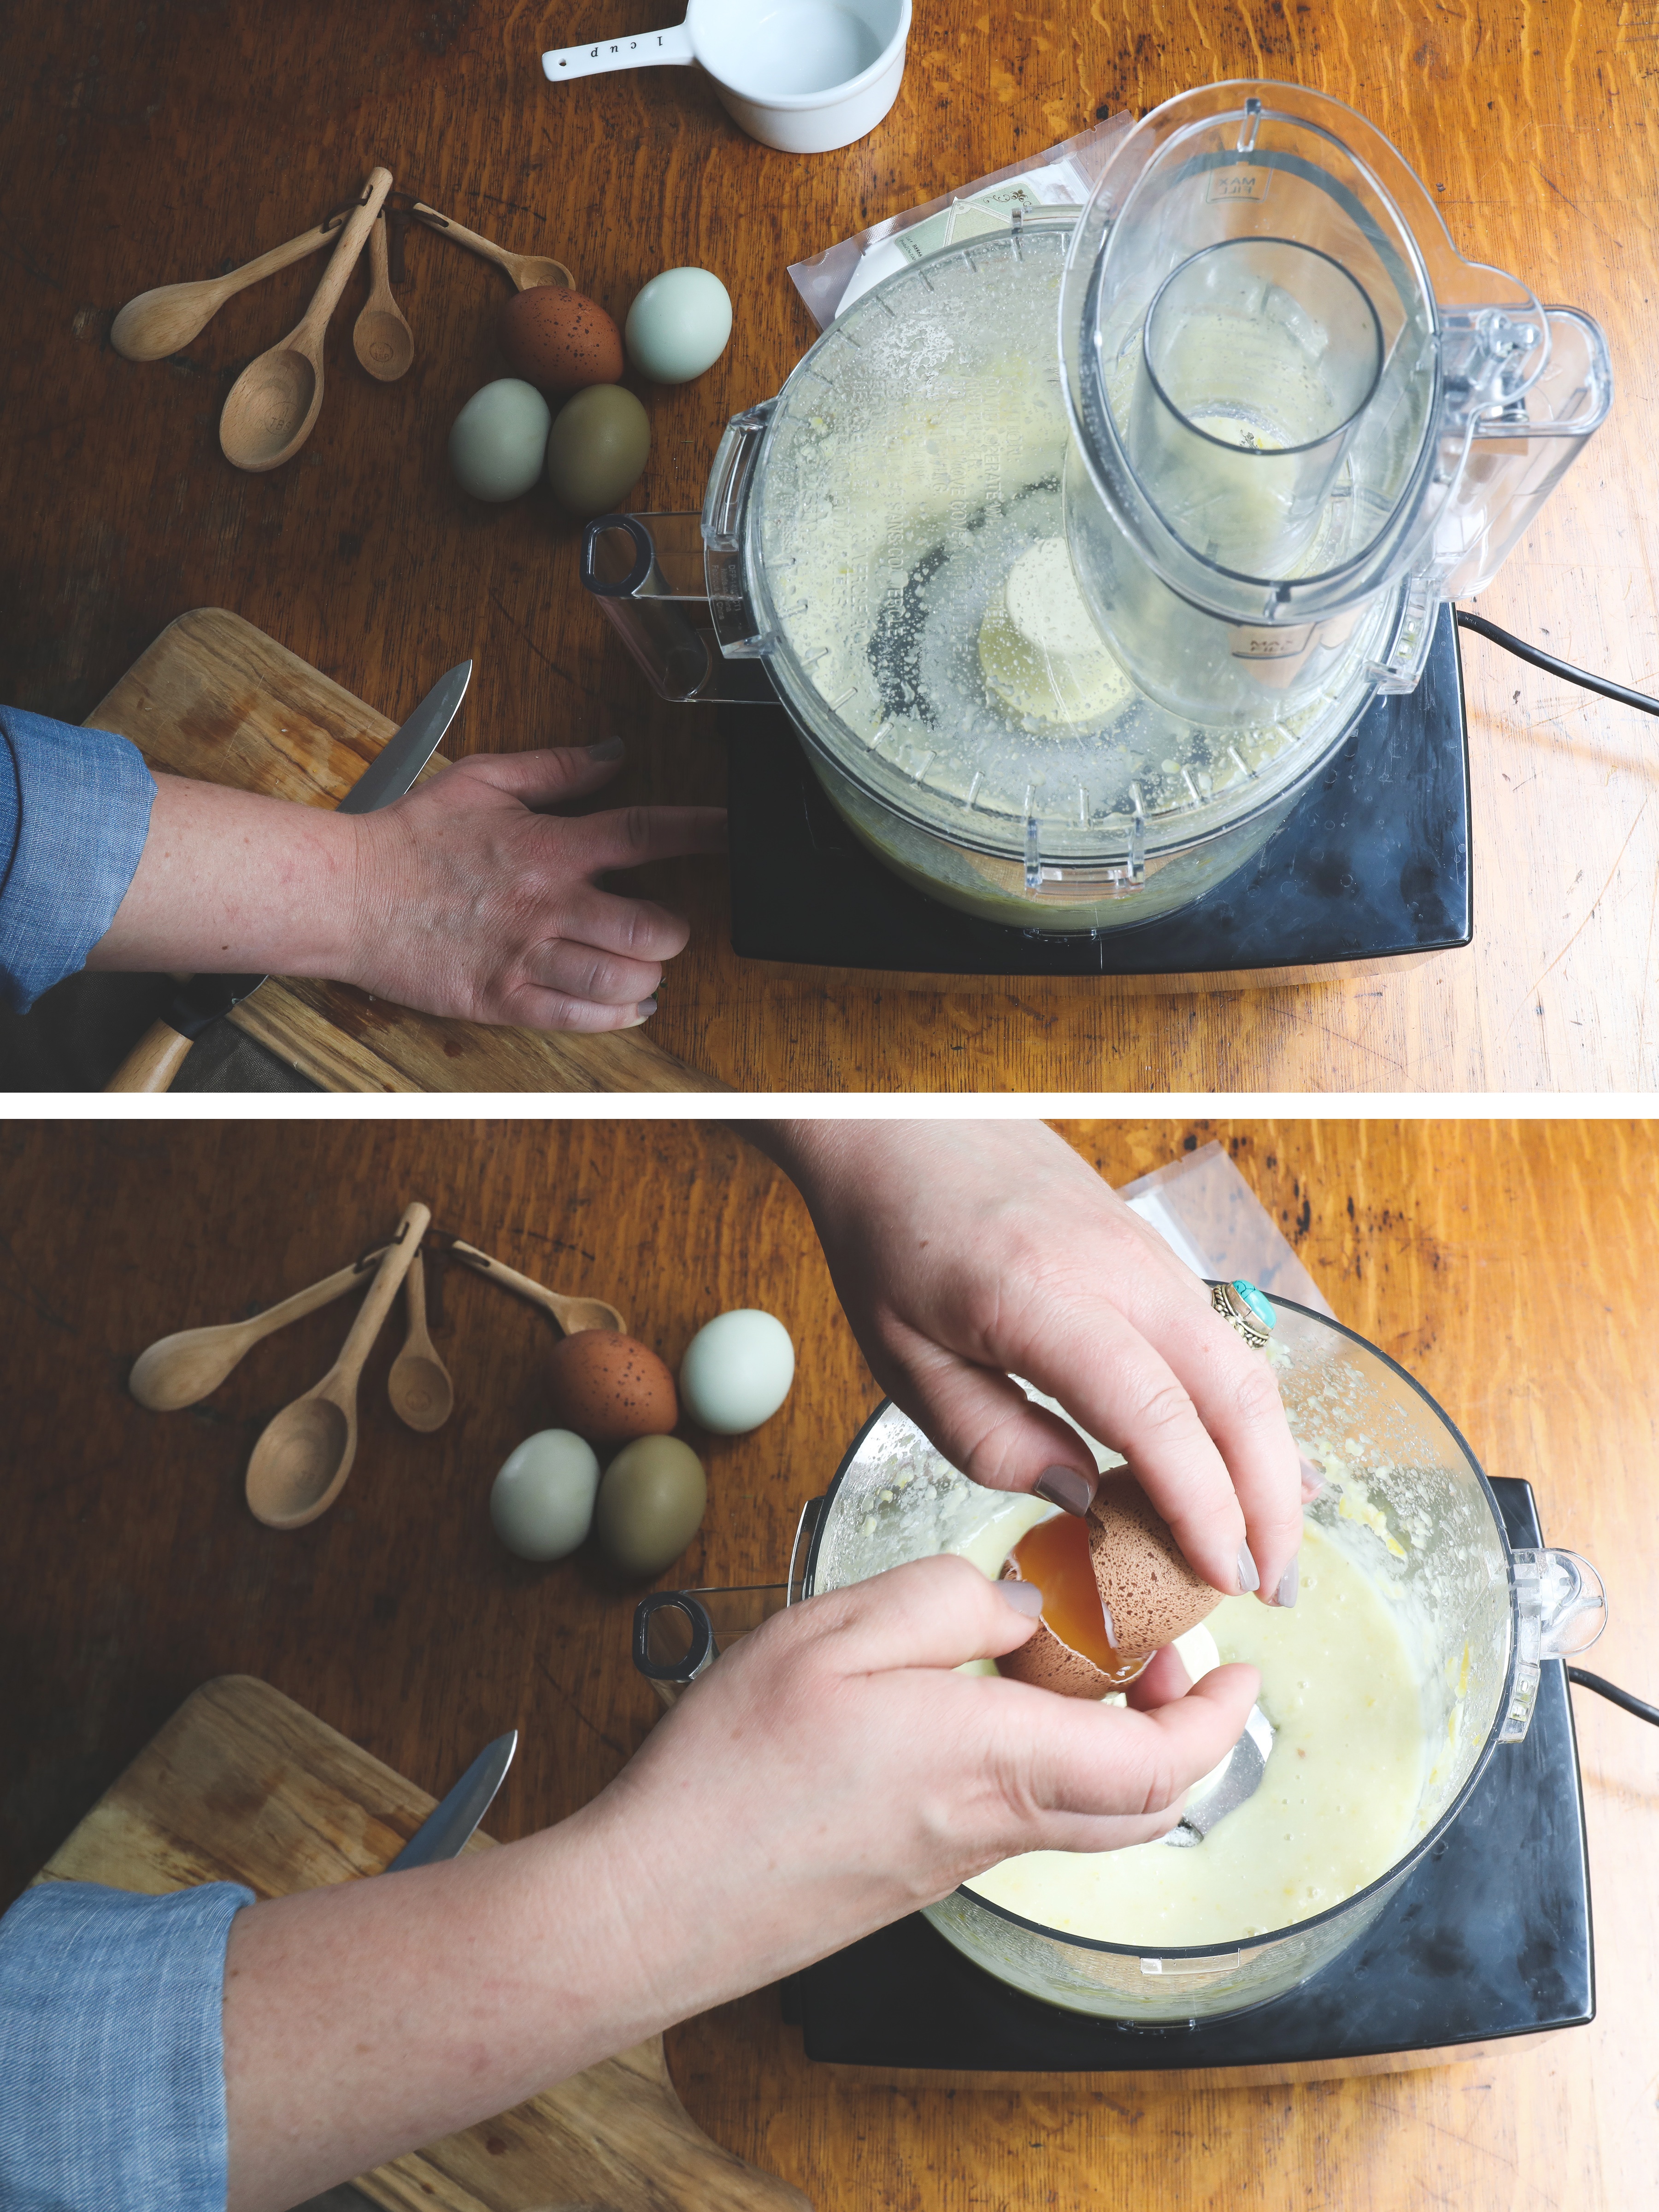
(73, 815)
(112, 2049)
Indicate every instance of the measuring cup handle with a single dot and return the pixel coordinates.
(561, 63)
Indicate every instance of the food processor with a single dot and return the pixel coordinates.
(1484, 1606)
(1077, 552)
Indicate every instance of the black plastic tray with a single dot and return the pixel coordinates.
(1372, 862)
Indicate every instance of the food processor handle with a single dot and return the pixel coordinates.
(1561, 1609)
(1520, 452)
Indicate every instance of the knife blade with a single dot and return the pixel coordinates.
(202, 1000)
(447, 1827)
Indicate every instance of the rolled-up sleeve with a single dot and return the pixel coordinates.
(112, 2049)
(74, 814)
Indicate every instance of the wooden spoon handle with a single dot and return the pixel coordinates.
(307, 1301)
(380, 266)
(526, 1286)
(394, 1265)
(326, 297)
(451, 228)
(279, 258)
(415, 1300)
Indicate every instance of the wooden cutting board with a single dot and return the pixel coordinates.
(216, 699)
(244, 1785)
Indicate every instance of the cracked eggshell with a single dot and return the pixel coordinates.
(610, 1388)
(1047, 1664)
(1151, 1593)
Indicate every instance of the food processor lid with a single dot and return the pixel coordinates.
(889, 535)
(1235, 168)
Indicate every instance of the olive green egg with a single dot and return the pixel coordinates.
(596, 449)
(650, 1503)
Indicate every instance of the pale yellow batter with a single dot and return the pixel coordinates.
(1337, 1803)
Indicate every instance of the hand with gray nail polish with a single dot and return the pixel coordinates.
(967, 1253)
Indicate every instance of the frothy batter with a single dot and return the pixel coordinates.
(1336, 1807)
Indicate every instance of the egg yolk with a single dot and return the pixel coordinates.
(1054, 1555)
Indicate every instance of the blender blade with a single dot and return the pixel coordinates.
(1238, 1779)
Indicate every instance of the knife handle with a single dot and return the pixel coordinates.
(153, 1062)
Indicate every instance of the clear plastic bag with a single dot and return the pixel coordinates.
(1061, 176)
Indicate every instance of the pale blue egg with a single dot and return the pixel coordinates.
(678, 325)
(498, 441)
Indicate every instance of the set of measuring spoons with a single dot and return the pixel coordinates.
(301, 1461)
(274, 403)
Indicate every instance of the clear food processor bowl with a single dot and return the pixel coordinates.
(1406, 1500)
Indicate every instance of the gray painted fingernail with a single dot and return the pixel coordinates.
(1024, 1597)
(1248, 1578)
(607, 749)
(1289, 1583)
(642, 1012)
(1064, 1487)
(1312, 1480)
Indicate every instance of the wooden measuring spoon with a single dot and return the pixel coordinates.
(182, 1369)
(381, 338)
(422, 1396)
(526, 270)
(270, 410)
(159, 322)
(299, 1464)
(573, 1314)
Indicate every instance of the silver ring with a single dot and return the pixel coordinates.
(1246, 1309)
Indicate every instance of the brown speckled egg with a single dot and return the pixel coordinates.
(609, 1388)
(1121, 1566)
(1144, 1581)
(559, 340)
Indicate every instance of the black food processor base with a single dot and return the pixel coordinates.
(1371, 864)
(1490, 1936)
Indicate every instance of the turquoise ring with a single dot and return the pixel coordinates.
(1246, 1309)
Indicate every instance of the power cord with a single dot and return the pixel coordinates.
(1603, 1688)
(1551, 666)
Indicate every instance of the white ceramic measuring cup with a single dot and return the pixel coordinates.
(804, 75)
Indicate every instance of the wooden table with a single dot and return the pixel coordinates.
(146, 146)
(1506, 1265)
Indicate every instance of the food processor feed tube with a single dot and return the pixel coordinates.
(1302, 419)
(1063, 649)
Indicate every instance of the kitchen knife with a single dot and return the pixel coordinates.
(159, 1053)
(449, 1823)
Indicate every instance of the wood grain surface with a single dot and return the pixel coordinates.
(1508, 1266)
(216, 699)
(143, 146)
(241, 1784)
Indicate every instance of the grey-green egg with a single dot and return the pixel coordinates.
(499, 441)
(542, 1502)
(596, 449)
(650, 1503)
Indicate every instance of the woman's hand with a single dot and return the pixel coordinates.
(827, 1774)
(965, 1252)
(463, 898)
(832, 1772)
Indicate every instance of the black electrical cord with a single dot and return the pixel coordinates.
(1603, 1688)
(1551, 666)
